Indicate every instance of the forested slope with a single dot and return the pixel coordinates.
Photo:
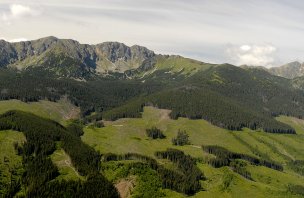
(41, 137)
(227, 96)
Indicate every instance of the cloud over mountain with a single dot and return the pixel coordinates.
(255, 55)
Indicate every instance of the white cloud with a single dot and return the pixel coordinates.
(199, 29)
(17, 11)
(245, 47)
(253, 55)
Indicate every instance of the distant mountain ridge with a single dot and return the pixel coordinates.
(72, 59)
(117, 81)
(69, 58)
(290, 70)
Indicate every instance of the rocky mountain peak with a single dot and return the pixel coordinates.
(114, 51)
(141, 52)
(289, 70)
(101, 58)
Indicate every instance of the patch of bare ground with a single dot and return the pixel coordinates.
(70, 111)
(72, 114)
(125, 187)
(164, 114)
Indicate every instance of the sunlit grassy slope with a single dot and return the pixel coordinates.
(178, 64)
(128, 135)
(181, 64)
(59, 111)
(65, 167)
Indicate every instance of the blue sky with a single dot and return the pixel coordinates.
(252, 32)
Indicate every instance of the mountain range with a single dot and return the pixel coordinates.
(290, 70)
(69, 58)
(165, 125)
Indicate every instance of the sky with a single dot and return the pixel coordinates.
(252, 32)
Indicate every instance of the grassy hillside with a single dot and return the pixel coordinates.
(60, 111)
(64, 164)
(40, 175)
(178, 64)
(128, 135)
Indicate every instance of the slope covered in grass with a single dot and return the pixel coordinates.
(40, 173)
(65, 167)
(60, 111)
(129, 135)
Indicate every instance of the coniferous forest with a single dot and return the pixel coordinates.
(199, 96)
(41, 137)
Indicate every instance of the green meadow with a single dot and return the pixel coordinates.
(128, 135)
(65, 166)
(60, 111)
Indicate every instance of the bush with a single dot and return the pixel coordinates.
(181, 139)
(224, 157)
(295, 189)
(155, 133)
(99, 124)
(297, 166)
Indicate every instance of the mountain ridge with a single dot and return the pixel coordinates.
(290, 70)
(100, 58)
(72, 59)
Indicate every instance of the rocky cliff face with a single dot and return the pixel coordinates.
(8, 54)
(65, 56)
(119, 57)
(290, 70)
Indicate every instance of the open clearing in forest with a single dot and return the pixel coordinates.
(131, 137)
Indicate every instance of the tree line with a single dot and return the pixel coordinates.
(224, 157)
(94, 95)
